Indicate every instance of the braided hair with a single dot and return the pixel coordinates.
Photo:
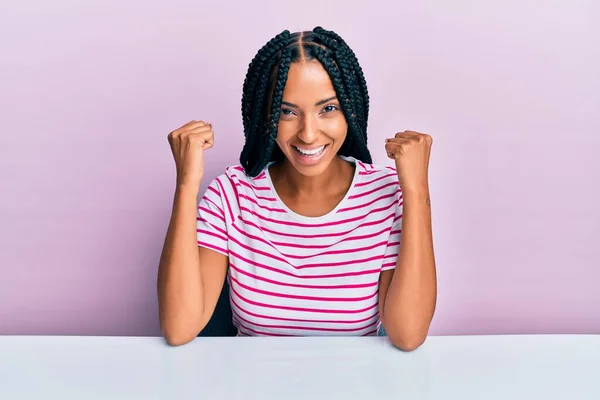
(263, 91)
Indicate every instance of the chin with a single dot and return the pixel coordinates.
(310, 171)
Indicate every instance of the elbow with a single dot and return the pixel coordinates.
(178, 334)
(407, 343)
(177, 338)
(406, 339)
(178, 331)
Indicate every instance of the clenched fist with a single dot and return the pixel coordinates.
(188, 144)
(411, 151)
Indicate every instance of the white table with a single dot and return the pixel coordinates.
(464, 367)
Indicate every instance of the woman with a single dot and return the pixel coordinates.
(306, 229)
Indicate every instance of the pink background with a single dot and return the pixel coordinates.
(90, 90)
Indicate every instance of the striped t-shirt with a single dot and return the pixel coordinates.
(296, 275)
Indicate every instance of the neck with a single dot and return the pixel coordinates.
(313, 186)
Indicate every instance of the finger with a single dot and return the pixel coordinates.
(407, 134)
(193, 124)
(393, 143)
(209, 142)
(199, 129)
(400, 139)
(187, 127)
(394, 149)
(205, 130)
(204, 139)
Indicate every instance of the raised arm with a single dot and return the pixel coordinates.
(190, 278)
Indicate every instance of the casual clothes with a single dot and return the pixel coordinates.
(303, 276)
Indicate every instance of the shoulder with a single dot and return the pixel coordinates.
(233, 179)
(377, 177)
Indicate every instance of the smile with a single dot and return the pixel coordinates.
(310, 152)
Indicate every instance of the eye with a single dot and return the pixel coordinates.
(286, 111)
(330, 108)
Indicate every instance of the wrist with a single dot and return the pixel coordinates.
(416, 195)
(188, 188)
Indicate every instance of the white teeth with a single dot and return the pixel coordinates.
(312, 152)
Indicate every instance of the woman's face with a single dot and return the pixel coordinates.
(312, 126)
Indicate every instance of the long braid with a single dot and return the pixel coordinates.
(355, 64)
(356, 140)
(353, 77)
(350, 81)
(253, 99)
(255, 69)
(282, 72)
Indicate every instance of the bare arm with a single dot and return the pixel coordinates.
(190, 278)
(408, 293)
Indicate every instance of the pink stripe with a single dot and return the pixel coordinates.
(372, 171)
(313, 310)
(242, 328)
(212, 247)
(325, 224)
(213, 226)
(299, 297)
(300, 224)
(356, 321)
(270, 199)
(370, 333)
(356, 196)
(388, 265)
(239, 168)
(369, 172)
(279, 283)
(314, 236)
(370, 202)
(322, 276)
(261, 188)
(360, 184)
(214, 214)
(215, 191)
(391, 244)
(398, 218)
(279, 210)
(224, 196)
(305, 328)
(321, 265)
(297, 257)
(212, 234)
(323, 246)
(215, 205)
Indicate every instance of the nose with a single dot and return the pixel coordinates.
(309, 130)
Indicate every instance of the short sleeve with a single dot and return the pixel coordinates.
(211, 226)
(393, 246)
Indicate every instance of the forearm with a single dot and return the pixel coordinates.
(180, 293)
(411, 297)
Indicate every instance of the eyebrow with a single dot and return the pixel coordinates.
(319, 103)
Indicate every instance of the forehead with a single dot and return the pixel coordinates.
(308, 80)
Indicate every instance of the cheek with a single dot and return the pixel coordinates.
(336, 128)
(282, 136)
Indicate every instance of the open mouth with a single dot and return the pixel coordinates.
(310, 152)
